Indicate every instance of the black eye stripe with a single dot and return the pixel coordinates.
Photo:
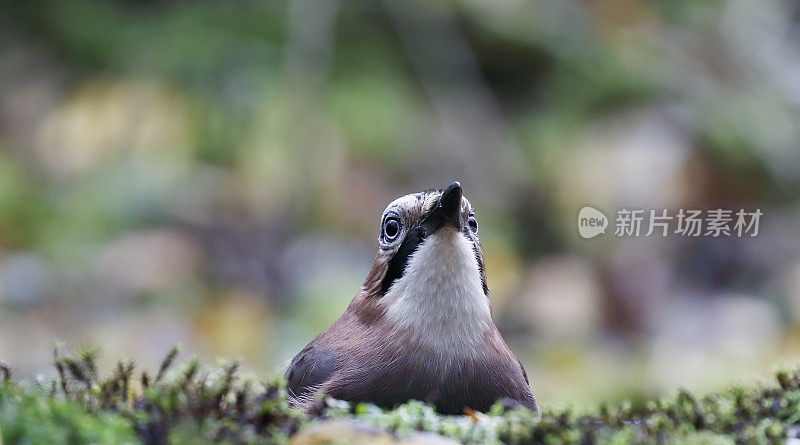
(397, 265)
(481, 267)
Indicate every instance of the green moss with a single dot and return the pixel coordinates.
(200, 404)
(29, 415)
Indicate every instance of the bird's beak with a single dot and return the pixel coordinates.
(447, 211)
(450, 204)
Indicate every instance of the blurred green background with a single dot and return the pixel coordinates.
(212, 173)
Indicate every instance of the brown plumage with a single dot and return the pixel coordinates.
(420, 327)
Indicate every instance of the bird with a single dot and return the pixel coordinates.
(420, 327)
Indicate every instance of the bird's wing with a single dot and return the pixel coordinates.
(524, 374)
(526, 396)
(309, 371)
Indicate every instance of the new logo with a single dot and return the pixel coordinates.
(591, 222)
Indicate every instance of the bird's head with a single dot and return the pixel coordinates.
(429, 253)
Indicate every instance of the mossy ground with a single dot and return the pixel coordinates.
(191, 403)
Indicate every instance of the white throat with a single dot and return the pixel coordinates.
(439, 302)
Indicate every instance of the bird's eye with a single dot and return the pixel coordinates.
(473, 224)
(391, 228)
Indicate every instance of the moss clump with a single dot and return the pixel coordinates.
(30, 416)
(195, 403)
